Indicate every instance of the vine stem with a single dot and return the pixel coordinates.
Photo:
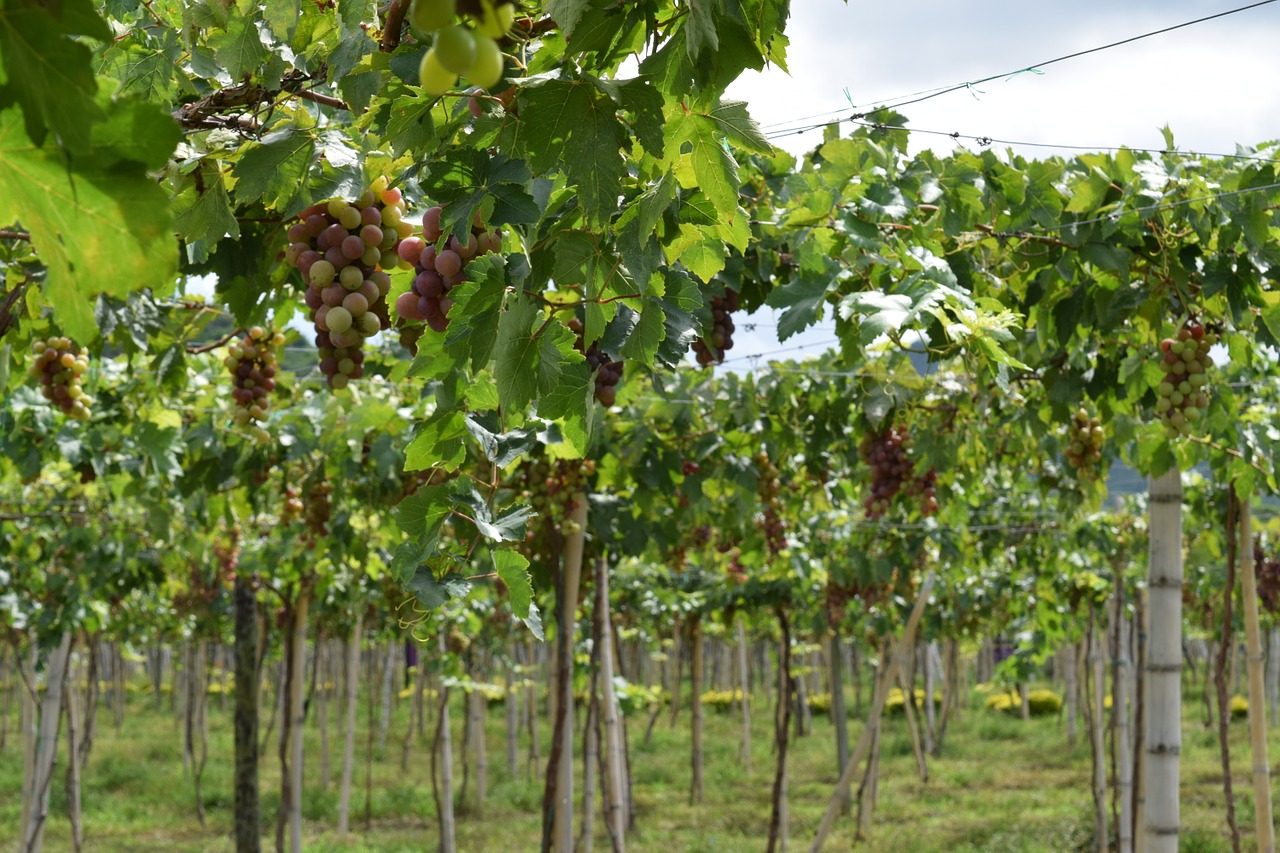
(13, 234)
(213, 346)
(395, 24)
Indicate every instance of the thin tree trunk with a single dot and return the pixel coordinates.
(28, 723)
(291, 730)
(46, 747)
(1139, 723)
(351, 683)
(1220, 676)
(1072, 691)
(782, 721)
(73, 759)
(867, 787)
(511, 704)
(838, 715)
(558, 796)
(388, 680)
(877, 707)
(323, 666)
(1163, 696)
(908, 696)
(247, 816)
(744, 748)
(479, 707)
(1097, 674)
(531, 704)
(444, 749)
(1265, 831)
(696, 674)
(676, 667)
(199, 699)
(1120, 714)
(1273, 673)
(930, 710)
(120, 693)
(615, 788)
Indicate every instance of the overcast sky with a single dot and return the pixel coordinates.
(1215, 83)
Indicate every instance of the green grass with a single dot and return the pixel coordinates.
(1002, 784)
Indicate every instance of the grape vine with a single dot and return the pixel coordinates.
(439, 270)
(460, 50)
(1084, 442)
(1184, 388)
(711, 348)
(60, 369)
(341, 249)
(253, 364)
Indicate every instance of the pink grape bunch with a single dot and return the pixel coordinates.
(438, 270)
(60, 368)
(341, 248)
(1183, 392)
(253, 362)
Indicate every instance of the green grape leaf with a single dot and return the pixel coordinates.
(240, 48)
(98, 230)
(516, 354)
(421, 513)
(513, 569)
(275, 168)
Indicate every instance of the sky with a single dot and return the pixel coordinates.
(1215, 84)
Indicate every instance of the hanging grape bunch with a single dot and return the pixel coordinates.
(253, 363)
(767, 489)
(1084, 442)
(458, 49)
(1267, 571)
(711, 349)
(836, 603)
(339, 247)
(291, 511)
(607, 371)
(1184, 389)
(439, 270)
(227, 553)
(60, 370)
(319, 508)
(886, 454)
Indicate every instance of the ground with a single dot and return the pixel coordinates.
(1001, 784)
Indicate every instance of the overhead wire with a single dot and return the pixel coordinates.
(929, 94)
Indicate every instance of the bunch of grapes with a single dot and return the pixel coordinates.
(1267, 571)
(458, 49)
(925, 487)
(1184, 389)
(319, 508)
(767, 489)
(253, 364)
(886, 453)
(711, 349)
(836, 603)
(60, 370)
(1084, 442)
(341, 248)
(227, 553)
(607, 371)
(439, 270)
(291, 511)
(735, 570)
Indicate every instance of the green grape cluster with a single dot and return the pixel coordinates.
(341, 248)
(1184, 388)
(60, 370)
(1084, 441)
(253, 363)
(460, 50)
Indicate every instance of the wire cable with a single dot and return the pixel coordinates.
(928, 94)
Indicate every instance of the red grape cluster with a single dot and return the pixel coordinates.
(1184, 388)
(775, 535)
(253, 364)
(439, 270)
(341, 248)
(836, 603)
(1267, 570)
(60, 369)
(607, 371)
(1084, 442)
(711, 349)
(886, 453)
(227, 553)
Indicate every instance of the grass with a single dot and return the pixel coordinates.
(1002, 785)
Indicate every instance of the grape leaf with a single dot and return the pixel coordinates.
(275, 168)
(513, 569)
(567, 13)
(50, 76)
(713, 168)
(517, 355)
(240, 48)
(98, 229)
(803, 298)
(739, 127)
